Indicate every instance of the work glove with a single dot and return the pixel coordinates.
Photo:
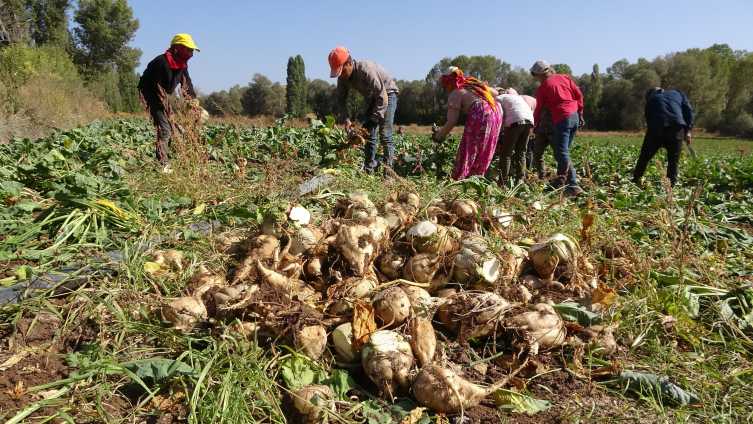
(435, 137)
(369, 125)
(581, 122)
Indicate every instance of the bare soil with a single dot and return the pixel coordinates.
(43, 361)
(43, 341)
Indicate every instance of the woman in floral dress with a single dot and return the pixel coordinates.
(473, 97)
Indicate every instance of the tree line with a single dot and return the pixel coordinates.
(92, 51)
(95, 43)
(718, 81)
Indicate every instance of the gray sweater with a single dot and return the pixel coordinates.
(372, 81)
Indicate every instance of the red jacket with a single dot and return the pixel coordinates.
(560, 94)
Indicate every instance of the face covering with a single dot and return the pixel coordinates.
(177, 57)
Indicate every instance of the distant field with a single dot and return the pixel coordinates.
(707, 145)
(703, 145)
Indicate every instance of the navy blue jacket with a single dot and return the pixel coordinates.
(668, 109)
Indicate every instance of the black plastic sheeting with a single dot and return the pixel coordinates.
(74, 276)
(315, 183)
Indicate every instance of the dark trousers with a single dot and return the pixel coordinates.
(540, 143)
(514, 139)
(162, 127)
(670, 138)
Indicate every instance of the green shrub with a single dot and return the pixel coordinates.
(106, 88)
(742, 125)
(41, 89)
(21, 62)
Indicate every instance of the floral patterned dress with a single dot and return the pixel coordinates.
(479, 140)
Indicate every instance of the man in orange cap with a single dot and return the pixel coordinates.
(165, 72)
(380, 92)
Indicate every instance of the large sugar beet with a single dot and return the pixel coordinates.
(356, 244)
(472, 314)
(387, 359)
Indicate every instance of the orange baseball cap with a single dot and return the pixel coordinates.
(337, 59)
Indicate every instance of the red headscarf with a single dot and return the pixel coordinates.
(176, 62)
(457, 80)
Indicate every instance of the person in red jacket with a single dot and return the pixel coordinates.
(564, 100)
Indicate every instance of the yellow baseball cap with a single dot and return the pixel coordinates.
(185, 40)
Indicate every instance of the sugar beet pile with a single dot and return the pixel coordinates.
(375, 286)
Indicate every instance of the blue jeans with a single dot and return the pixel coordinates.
(384, 130)
(564, 134)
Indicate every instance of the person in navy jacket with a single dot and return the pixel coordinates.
(669, 119)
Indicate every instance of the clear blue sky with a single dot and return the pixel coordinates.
(407, 37)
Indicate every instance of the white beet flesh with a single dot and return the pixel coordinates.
(476, 262)
(342, 337)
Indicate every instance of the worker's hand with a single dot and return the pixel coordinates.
(349, 125)
(435, 137)
(581, 122)
(688, 138)
(532, 135)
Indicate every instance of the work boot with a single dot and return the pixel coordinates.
(572, 191)
(555, 185)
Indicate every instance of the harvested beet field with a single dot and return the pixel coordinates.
(226, 292)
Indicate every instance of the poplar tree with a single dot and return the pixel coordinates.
(593, 97)
(296, 91)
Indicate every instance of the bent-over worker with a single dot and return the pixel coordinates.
(471, 96)
(380, 92)
(518, 123)
(165, 72)
(669, 119)
(565, 102)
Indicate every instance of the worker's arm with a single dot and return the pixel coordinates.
(341, 94)
(539, 107)
(452, 118)
(688, 114)
(187, 85)
(577, 96)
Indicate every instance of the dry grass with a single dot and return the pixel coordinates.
(195, 172)
(49, 101)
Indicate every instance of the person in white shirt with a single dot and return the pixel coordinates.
(518, 123)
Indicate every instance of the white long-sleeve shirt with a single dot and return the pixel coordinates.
(515, 109)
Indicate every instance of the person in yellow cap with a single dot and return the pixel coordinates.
(162, 75)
